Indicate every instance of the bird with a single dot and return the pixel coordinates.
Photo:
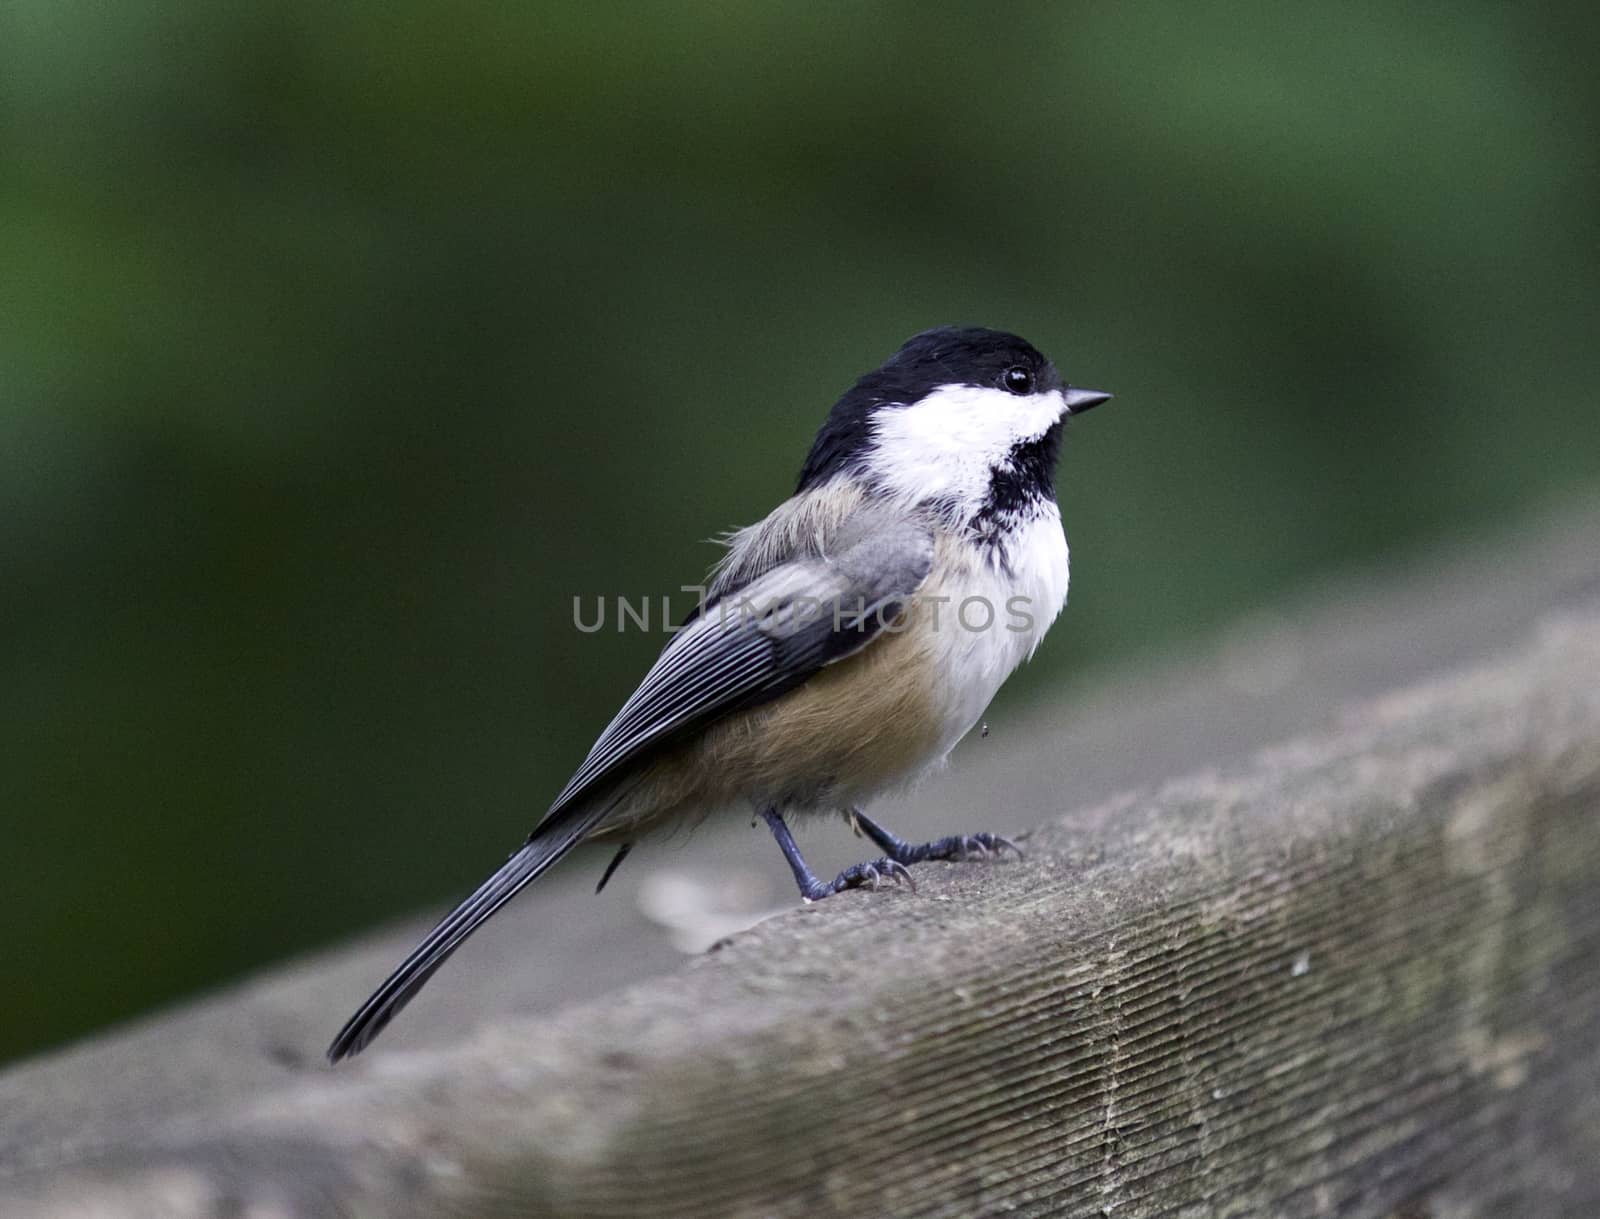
(842, 646)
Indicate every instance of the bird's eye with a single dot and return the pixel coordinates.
(1017, 380)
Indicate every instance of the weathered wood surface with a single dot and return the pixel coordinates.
(1357, 975)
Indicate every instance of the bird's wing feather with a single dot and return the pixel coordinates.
(717, 663)
(538, 855)
(803, 526)
(776, 632)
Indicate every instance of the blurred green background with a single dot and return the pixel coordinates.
(341, 346)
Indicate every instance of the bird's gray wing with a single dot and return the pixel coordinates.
(805, 526)
(769, 637)
(780, 629)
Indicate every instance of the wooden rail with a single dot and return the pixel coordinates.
(1357, 975)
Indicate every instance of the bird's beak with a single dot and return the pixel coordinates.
(1080, 400)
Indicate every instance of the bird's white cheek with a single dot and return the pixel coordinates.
(1044, 412)
(946, 444)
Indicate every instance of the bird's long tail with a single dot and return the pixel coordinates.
(547, 846)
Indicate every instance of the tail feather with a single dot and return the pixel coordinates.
(547, 847)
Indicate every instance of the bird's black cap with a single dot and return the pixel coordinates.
(948, 355)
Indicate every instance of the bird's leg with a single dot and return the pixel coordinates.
(616, 862)
(861, 875)
(957, 846)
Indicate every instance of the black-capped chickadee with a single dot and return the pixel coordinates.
(845, 643)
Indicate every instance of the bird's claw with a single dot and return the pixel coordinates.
(871, 875)
(987, 846)
(964, 847)
(969, 846)
(901, 875)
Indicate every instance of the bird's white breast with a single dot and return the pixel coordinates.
(1000, 604)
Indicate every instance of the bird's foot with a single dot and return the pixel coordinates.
(868, 875)
(960, 847)
(862, 876)
(957, 846)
